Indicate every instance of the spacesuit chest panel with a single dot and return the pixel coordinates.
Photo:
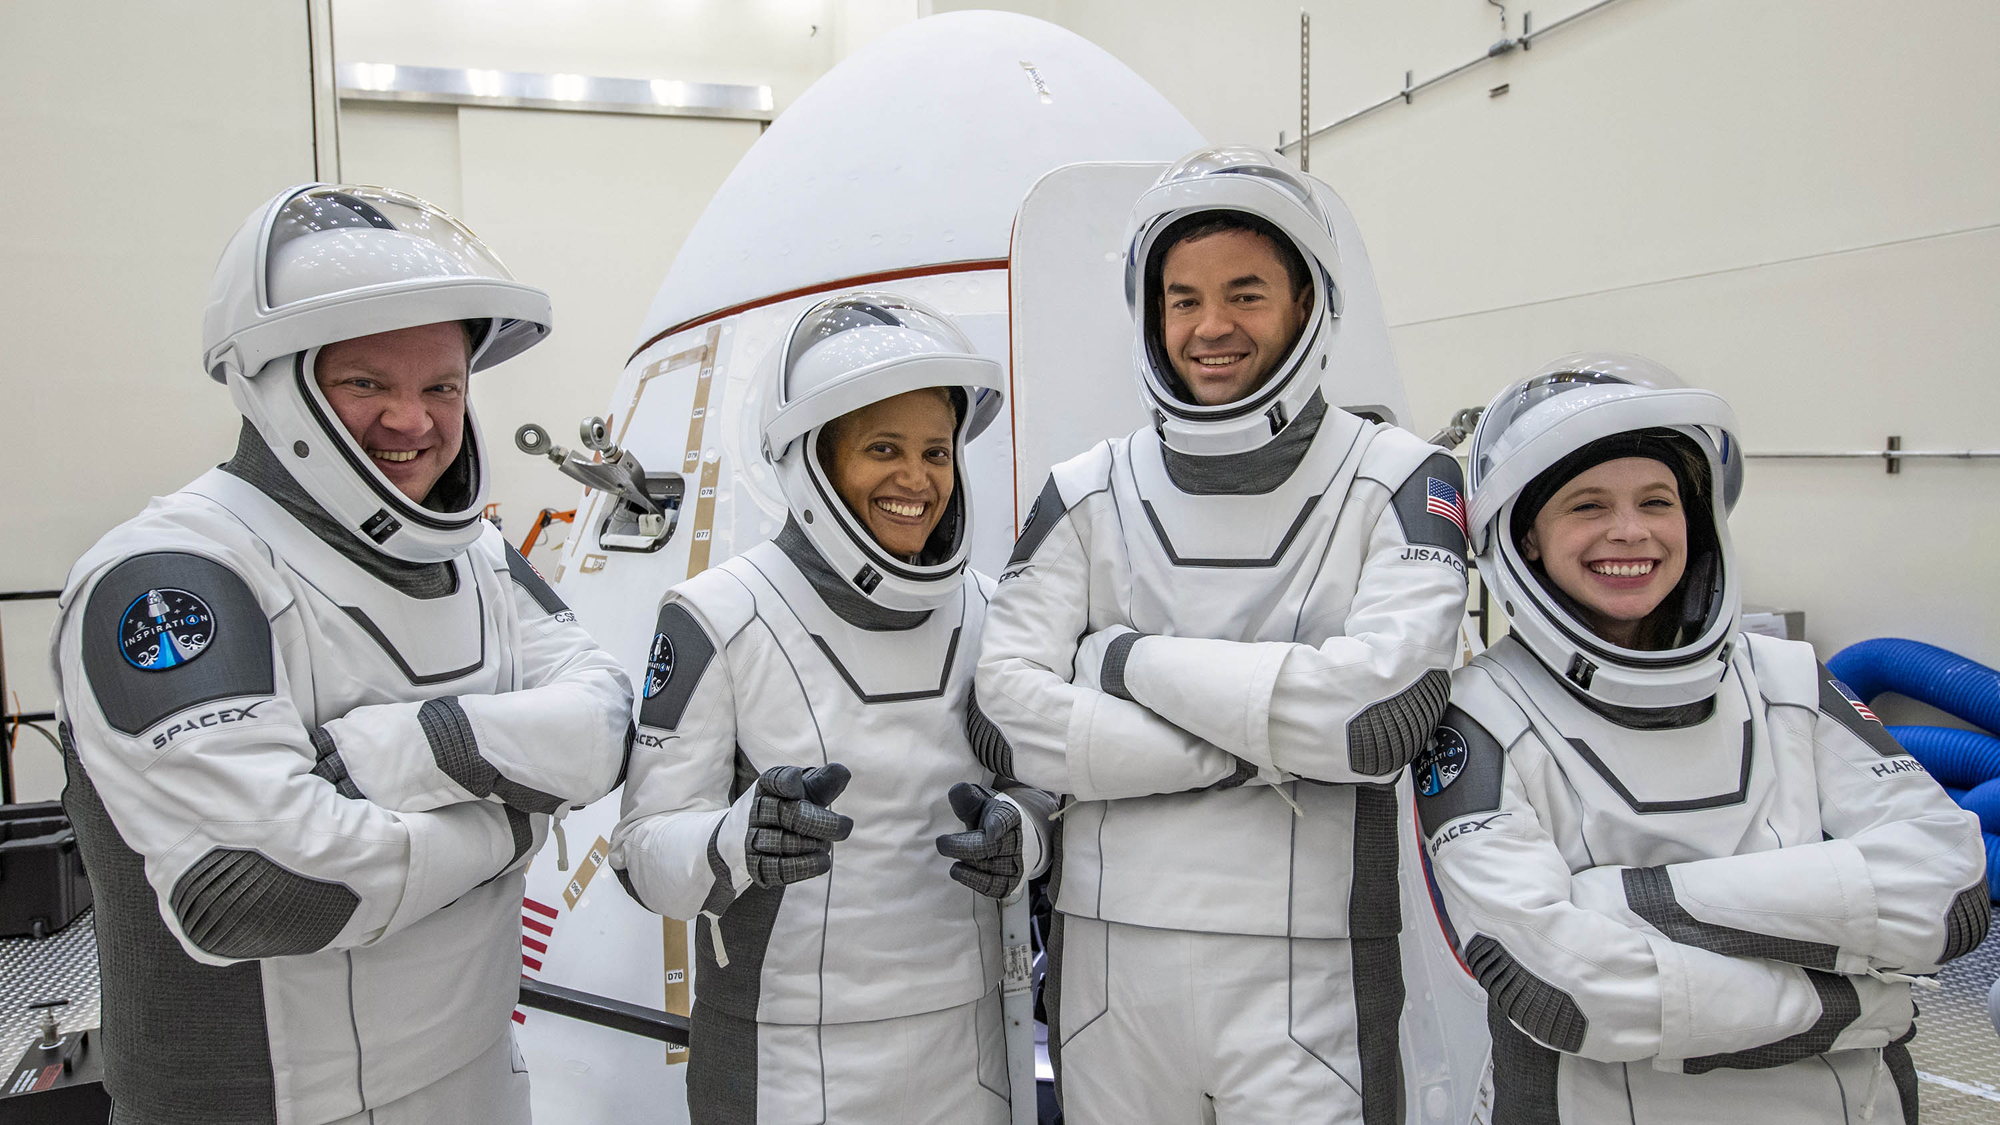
(810, 689)
(366, 641)
(1234, 567)
(1647, 797)
(878, 666)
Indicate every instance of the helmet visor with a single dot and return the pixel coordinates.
(859, 330)
(1246, 160)
(336, 239)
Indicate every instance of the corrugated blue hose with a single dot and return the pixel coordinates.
(1926, 673)
(1957, 759)
(1965, 762)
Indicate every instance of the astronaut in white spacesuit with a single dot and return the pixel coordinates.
(802, 779)
(1224, 636)
(316, 712)
(1694, 874)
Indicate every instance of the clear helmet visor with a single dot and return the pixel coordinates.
(338, 239)
(860, 331)
(1572, 384)
(860, 348)
(1247, 160)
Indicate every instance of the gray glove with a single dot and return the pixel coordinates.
(989, 855)
(792, 832)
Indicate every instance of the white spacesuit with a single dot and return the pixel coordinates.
(1224, 636)
(314, 730)
(842, 974)
(1692, 880)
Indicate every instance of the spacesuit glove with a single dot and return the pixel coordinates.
(989, 855)
(792, 831)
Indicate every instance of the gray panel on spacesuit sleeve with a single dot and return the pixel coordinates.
(167, 631)
(1417, 504)
(1043, 517)
(681, 653)
(1386, 735)
(241, 904)
(1459, 773)
(1111, 677)
(1838, 702)
(1539, 1008)
(988, 744)
(1966, 921)
(1649, 891)
(330, 767)
(531, 580)
(1839, 1004)
(456, 749)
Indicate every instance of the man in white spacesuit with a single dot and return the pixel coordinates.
(1224, 636)
(1692, 871)
(316, 712)
(802, 780)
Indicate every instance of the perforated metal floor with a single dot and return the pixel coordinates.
(60, 966)
(1956, 1050)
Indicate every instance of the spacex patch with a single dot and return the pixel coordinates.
(1440, 763)
(659, 664)
(165, 628)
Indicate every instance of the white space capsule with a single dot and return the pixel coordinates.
(905, 168)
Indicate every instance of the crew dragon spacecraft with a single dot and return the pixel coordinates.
(982, 162)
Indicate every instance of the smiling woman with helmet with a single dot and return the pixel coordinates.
(802, 780)
(1694, 875)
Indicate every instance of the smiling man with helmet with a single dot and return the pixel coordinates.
(802, 781)
(316, 712)
(1224, 636)
(1694, 874)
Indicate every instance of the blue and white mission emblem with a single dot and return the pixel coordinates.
(165, 629)
(1440, 763)
(659, 664)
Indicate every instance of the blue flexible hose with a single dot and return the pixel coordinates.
(1993, 865)
(1984, 799)
(1958, 759)
(1926, 673)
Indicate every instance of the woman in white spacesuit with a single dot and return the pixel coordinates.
(1694, 875)
(847, 967)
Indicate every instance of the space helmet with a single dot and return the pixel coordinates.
(1248, 181)
(841, 355)
(1579, 410)
(320, 263)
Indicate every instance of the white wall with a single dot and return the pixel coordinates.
(1790, 202)
(129, 157)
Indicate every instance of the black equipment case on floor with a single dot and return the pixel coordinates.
(42, 885)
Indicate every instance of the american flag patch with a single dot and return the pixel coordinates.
(1441, 499)
(1847, 693)
(538, 928)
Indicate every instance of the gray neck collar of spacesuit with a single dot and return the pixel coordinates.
(256, 464)
(1254, 473)
(1631, 718)
(839, 597)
